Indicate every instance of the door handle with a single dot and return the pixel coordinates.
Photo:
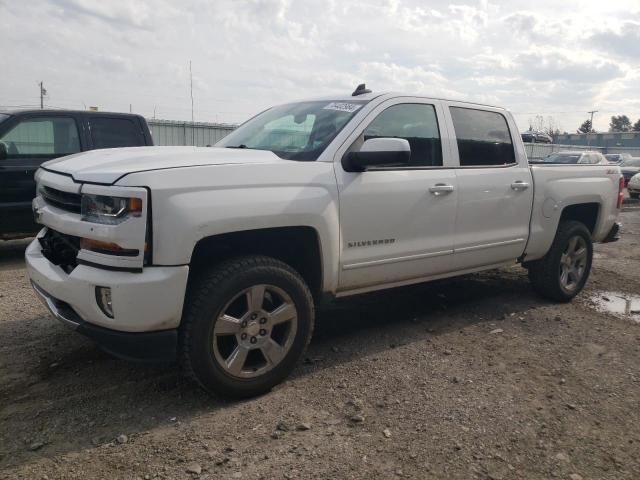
(441, 189)
(519, 185)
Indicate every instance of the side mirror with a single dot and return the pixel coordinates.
(378, 152)
(4, 151)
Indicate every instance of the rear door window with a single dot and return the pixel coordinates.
(43, 137)
(483, 137)
(111, 132)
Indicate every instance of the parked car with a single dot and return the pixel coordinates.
(536, 137)
(31, 137)
(218, 256)
(617, 158)
(578, 157)
(629, 168)
(634, 186)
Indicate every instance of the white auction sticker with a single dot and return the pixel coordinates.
(343, 107)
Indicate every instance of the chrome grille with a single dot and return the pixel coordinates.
(62, 200)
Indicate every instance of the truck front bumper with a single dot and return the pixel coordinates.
(147, 306)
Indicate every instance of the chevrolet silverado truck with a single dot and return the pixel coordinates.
(30, 137)
(217, 256)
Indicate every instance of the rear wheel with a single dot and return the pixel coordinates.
(245, 325)
(562, 273)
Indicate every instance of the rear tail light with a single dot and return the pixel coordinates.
(620, 191)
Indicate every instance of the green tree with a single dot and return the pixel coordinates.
(620, 123)
(636, 126)
(586, 127)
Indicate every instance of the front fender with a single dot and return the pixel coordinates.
(194, 203)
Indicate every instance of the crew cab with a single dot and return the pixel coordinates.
(217, 256)
(31, 137)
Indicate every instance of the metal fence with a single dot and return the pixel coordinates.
(537, 151)
(200, 134)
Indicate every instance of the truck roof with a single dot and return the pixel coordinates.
(21, 111)
(575, 152)
(392, 94)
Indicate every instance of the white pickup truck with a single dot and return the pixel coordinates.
(216, 256)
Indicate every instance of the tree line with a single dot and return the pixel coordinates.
(618, 123)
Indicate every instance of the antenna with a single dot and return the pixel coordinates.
(360, 90)
(43, 92)
(591, 127)
(193, 131)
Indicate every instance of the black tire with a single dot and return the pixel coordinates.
(209, 294)
(545, 274)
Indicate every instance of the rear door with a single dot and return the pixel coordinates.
(30, 140)
(495, 191)
(108, 131)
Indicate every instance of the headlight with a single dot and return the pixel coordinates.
(109, 210)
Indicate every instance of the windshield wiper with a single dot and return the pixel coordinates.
(242, 145)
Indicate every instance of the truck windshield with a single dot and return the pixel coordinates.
(632, 162)
(295, 131)
(562, 158)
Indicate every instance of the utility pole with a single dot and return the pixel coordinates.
(193, 132)
(590, 127)
(43, 92)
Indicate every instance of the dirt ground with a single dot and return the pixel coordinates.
(467, 378)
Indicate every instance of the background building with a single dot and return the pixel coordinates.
(605, 140)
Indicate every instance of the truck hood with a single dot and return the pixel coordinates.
(107, 166)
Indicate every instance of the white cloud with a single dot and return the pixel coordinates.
(623, 41)
(546, 58)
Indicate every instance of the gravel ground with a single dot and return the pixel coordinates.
(467, 378)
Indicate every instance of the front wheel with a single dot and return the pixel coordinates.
(246, 323)
(562, 273)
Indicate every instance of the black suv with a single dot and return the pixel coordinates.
(31, 137)
(531, 136)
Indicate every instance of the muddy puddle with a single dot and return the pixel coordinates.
(624, 305)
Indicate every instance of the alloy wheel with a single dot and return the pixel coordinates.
(573, 263)
(255, 331)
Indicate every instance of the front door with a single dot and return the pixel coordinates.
(397, 222)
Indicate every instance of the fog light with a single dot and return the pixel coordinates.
(103, 298)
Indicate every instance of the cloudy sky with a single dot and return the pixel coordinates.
(548, 57)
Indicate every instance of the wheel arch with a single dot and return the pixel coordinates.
(586, 213)
(298, 246)
(543, 230)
